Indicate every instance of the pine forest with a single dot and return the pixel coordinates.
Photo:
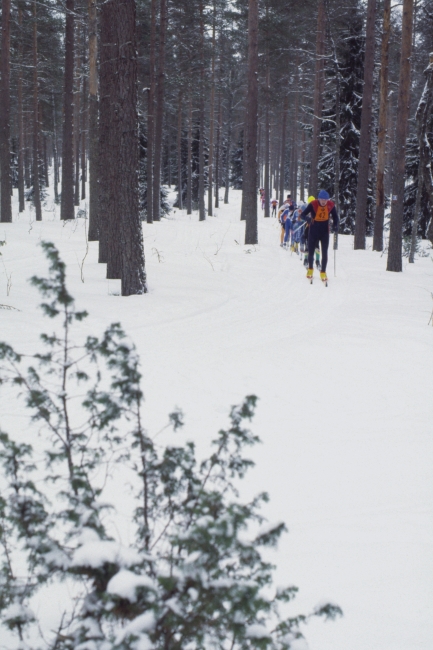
(216, 246)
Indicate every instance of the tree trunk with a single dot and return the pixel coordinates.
(302, 179)
(228, 148)
(46, 178)
(151, 113)
(105, 132)
(55, 156)
(159, 113)
(5, 128)
(249, 193)
(394, 262)
(189, 159)
(179, 152)
(93, 125)
(365, 135)
(77, 137)
(218, 152)
(318, 99)
(84, 120)
(67, 201)
(283, 149)
(295, 136)
(382, 127)
(267, 149)
(201, 208)
(211, 120)
(110, 27)
(21, 203)
(36, 188)
(423, 117)
(125, 126)
(27, 164)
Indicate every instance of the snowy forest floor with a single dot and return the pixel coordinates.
(344, 377)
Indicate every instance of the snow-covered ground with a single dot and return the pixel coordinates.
(344, 377)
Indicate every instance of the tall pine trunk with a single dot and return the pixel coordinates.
(267, 149)
(109, 21)
(159, 113)
(318, 99)
(189, 158)
(382, 128)
(106, 75)
(302, 174)
(125, 154)
(394, 262)
(201, 206)
(294, 182)
(36, 186)
(77, 136)
(21, 203)
(218, 151)
(93, 124)
(228, 148)
(5, 128)
(249, 193)
(179, 152)
(67, 201)
(365, 135)
(84, 123)
(151, 113)
(283, 148)
(211, 120)
(55, 154)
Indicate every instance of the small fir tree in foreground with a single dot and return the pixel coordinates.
(193, 575)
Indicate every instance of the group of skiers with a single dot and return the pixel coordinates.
(305, 226)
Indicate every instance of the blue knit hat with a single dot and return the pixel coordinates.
(323, 194)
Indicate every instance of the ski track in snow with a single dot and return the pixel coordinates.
(344, 378)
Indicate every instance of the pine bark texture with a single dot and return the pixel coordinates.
(21, 203)
(159, 113)
(201, 204)
(283, 149)
(249, 193)
(125, 137)
(179, 151)
(394, 262)
(106, 74)
(211, 121)
(319, 82)
(67, 200)
(189, 158)
(382, 128)
(267, 150)
(5, 128)
(365, 136)
(151, 112)
(93, 125)
(35, 168)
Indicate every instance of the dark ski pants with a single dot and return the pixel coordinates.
(274, 210)
(318, 232)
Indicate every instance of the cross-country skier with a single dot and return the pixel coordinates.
(274, 204)
(297, 229)
(318, 213)
(286, 224)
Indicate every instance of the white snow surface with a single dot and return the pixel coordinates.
(344, 377)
